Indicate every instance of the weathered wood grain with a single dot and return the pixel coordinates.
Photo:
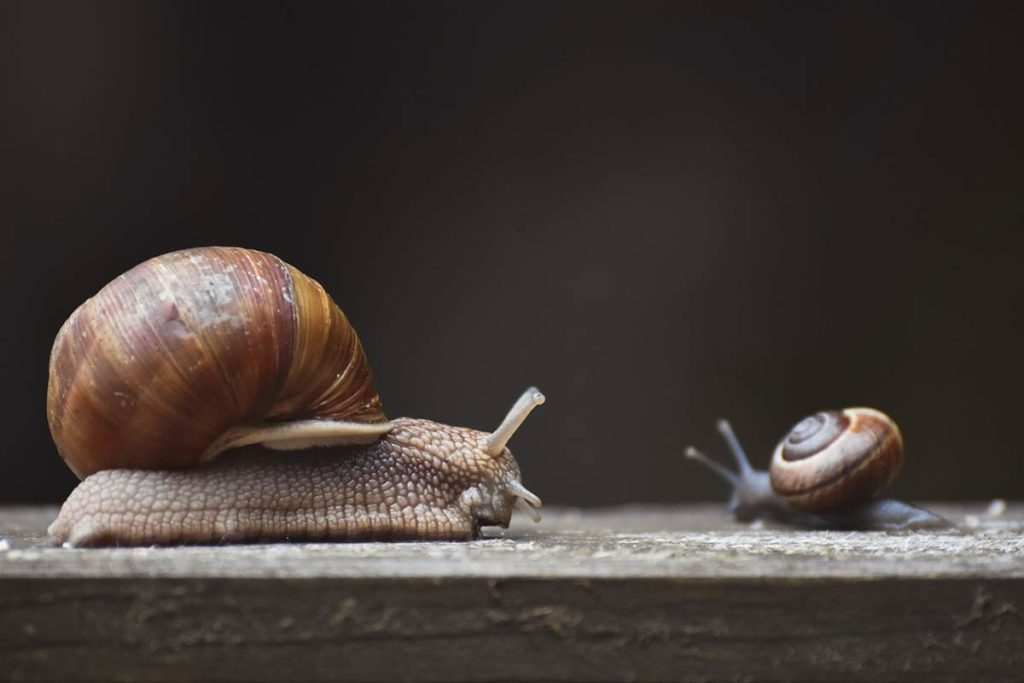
(648, 593)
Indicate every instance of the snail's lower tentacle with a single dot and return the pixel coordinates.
(523, 506)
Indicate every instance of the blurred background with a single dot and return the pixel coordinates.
(658, 213)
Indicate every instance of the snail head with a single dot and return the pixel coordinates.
(474, 470)
(508, 487)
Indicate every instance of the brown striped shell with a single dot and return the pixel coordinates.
(196, 351)
(836, 458)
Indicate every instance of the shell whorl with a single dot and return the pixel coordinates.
(174, 353)
(835, 458)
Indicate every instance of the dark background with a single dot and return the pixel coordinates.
(658, 213)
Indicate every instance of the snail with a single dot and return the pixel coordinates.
(162, 383)
(825, 474)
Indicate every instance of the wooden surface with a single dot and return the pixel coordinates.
(649, 593)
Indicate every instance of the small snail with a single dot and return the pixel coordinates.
(825, 474)
(159, 381)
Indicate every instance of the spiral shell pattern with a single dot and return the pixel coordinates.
(835, 458)
(170, 355)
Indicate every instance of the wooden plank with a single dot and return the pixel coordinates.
(654, 593)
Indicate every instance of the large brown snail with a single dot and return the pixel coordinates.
(159, 380)
(825, 474)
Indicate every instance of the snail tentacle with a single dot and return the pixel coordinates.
(718, 468)
(527, 510)
(525, 500)
(495, 443)
(725, 429)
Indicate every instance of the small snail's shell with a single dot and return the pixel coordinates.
(173, 354)
(835, 458)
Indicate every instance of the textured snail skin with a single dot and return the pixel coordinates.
(754, 499)
(423, 480)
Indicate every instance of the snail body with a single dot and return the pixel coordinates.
(163, 384)
(825, 473)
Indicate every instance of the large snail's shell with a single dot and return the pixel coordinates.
(168, 357)
(835, 458)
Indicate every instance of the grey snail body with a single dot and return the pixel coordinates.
(168, 386)
(825, 474)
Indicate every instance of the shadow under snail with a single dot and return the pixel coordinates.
(161, 384)
(825, 474)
